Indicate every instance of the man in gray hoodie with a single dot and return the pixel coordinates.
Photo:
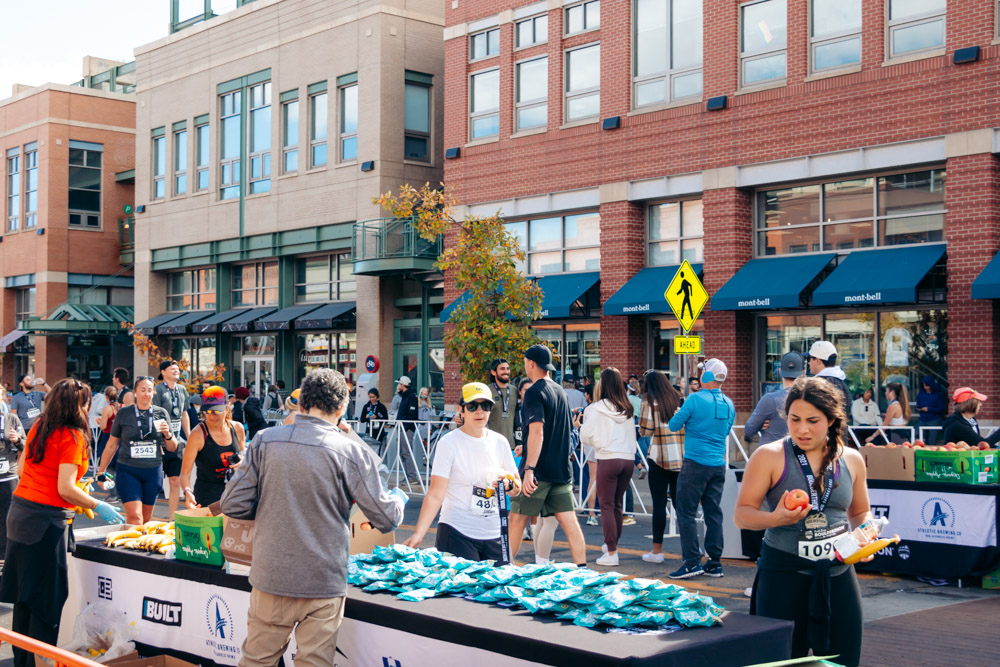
(298, 482)
(823, 364)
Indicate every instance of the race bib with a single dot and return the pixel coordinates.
(4, 467)
(143, 450)
(175, 425)
(817, 543)
(33, 413)
(484, 502)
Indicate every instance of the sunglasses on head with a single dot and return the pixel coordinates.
(479, 405)
(140, 378)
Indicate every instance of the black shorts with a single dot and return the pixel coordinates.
(455, 543)
(171, 465)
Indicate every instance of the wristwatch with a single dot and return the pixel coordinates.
(527, 468)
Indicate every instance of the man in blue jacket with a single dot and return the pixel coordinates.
(706, 417)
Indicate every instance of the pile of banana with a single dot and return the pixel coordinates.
(153, 536)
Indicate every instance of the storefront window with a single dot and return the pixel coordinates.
(846, 215)
(325, 278)
(784, 334)
(854, 336)
(676, 231)
(255, 284)
(199, 353)
(577, 348)
(913, 343)
(566, 244)
(191, 290)
(328, 350)
(664, 359)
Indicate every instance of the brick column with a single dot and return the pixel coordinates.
(623, 254)
(728, 246)
(972, 229)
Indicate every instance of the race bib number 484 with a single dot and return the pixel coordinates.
(484, 502)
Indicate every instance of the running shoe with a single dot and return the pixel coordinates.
(642, 473)
(653, 558)
(628, 521)
(592, 521)
(687, 571)
(713, 569)
(608, 560)
(748, 591)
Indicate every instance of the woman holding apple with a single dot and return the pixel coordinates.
(815, 491)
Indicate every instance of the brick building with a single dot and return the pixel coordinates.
(263, 135)
(829, 165)
(65, 177)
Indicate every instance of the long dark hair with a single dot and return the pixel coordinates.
(660, 393)
(823, 396)
(65, 407)
(612, 390)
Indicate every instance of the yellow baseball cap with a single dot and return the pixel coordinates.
(476, 391)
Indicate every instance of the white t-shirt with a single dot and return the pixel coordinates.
(467, 462)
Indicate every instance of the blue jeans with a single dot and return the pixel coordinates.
(699, 484)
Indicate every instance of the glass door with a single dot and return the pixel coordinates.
(258, 374)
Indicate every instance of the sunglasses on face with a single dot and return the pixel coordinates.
(479, 405)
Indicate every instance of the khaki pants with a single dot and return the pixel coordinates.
(272, 619)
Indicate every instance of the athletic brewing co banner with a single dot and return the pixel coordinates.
(941, 518)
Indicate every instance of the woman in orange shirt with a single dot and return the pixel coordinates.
(38, 535)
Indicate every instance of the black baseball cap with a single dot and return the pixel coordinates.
(541, 355)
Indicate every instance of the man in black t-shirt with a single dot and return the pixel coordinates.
(545, 467)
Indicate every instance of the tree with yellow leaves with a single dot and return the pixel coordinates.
(494, 317)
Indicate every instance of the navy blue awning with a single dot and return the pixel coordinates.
(282, 320)
(987, 284)
(328, 316)
(644, 293)
(211, 324)
(770, 282)
(148, 327)
(564, 295)
(180, 325)
(888, 275)
(245, 320)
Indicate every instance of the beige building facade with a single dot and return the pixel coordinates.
(262, 137)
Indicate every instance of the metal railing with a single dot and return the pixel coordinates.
(391, 238)
(60, 657)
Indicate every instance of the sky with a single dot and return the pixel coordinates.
(46, 40)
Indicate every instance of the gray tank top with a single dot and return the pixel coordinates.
(786, 538)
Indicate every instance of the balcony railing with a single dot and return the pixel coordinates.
(126, 240)
(391, 245)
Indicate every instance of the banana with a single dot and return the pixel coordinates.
(119, 534)
(152, 526)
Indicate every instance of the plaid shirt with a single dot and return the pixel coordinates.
(666, 448)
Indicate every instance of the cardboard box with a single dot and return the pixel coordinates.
(198, 536)
(896, 463)
(972, 466)
(158, 661)
(237, 540)
(128, 657)
(364, 537)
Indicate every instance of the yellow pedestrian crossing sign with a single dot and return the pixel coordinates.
(686, 296)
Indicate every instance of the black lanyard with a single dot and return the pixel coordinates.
(506, 399)
(31, 399)
(818, 504)
(138, 422)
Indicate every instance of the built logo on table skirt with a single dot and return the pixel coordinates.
(104, 588)
(219, 619)
(939, 519)
(161, 611)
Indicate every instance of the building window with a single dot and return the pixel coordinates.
(159, 167)
(418, 122)
(191, 290)
(198, 352)
(668, 50)
(318, 117)
(763, 39)
(567, 244)
(484, 44)
(584, 16)
(328, 350)
(532, 31)
(229, 145)
(915, 25)
(532, 93)
(676, 233)
(856, 213)
(24, 303)
(13, 189)
(85, 184)
(484, 106)
(577, 348)
(290, 132)
(349, 122)
(180, 162)
(101, 296)
(255, 284)
(201, 158)
(583, 82)
(325, 278)
(260, 138)
(31, 185)
(835, 34)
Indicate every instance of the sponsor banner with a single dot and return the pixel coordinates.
(941, 518)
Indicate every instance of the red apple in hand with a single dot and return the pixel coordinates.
(796, 499)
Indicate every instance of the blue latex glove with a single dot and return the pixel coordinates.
(398, 493)
(108, 513)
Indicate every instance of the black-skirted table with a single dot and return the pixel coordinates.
(199, 614)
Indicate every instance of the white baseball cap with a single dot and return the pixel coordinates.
(822, 349)
(717, 368)
(403, 379)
